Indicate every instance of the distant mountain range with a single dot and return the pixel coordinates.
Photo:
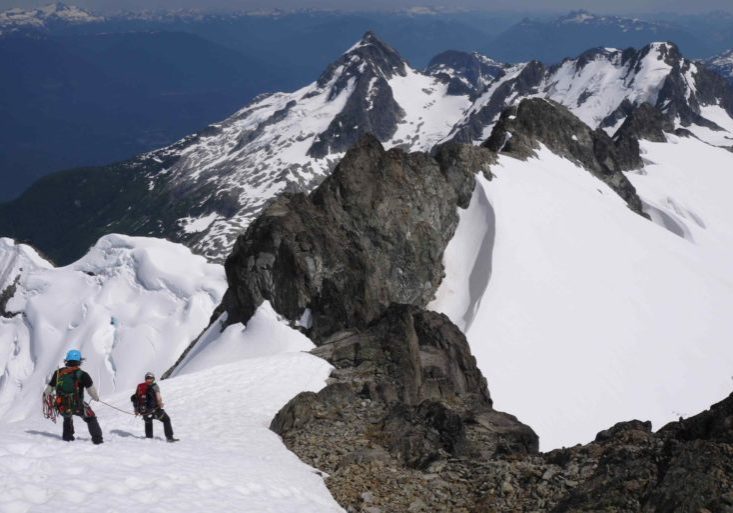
(722, 64)
(44, 18)
(85, 90)
(551, 41)
(104, 90)
(205, 189)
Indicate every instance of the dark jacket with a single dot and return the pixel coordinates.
(85, 380)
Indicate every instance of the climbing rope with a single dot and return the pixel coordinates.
(118, 409)
(49, 407)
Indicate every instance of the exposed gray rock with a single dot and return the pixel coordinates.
(371, 108)
(406, 397)
(522, 128)
(526, 83)
(371, 235)
(687, 466)
(5, 296)
(710, 89)
(456, 160)
(465, 73)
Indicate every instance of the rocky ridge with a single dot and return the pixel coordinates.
(406, 421)
(354, 264)
(523, 128)
(372, 234)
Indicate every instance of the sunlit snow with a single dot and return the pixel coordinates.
(586, 314)
(133, 305)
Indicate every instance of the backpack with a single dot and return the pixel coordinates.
(68, 389)
(143, 400)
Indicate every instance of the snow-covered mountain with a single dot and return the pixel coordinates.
(587, 18)
(16, 19)
(722, 64)
(207, 188)
(601, 87)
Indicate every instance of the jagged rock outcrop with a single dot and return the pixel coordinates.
(465, 73)
(687, 466)
(522, 128)
(644, 122)
(416, 371)
(406, 421)
(371, 235)
(525, 82)
(406, 396)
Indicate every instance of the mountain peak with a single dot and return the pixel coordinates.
(370, 37)
(664, 50)
(375, 51)
(364, 70)
(579, 16)
(370, 56)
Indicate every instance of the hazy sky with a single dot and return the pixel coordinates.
(599, 6)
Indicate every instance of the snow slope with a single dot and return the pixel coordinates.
(131, 304)
(227, 459)
(592, 92)
(581, 313)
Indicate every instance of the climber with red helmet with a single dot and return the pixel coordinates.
(148, 402)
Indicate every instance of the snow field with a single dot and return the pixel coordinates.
(227, 459)
(591, 314)
(131, 305)
(430, 113)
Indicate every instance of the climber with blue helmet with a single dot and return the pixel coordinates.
(66, 389)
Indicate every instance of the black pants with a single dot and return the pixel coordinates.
(87, 414)
(161, 415)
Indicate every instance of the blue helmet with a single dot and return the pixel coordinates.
(73, 355)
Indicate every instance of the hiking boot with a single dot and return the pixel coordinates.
(98, 441)
(171, 439)
(68, 439)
